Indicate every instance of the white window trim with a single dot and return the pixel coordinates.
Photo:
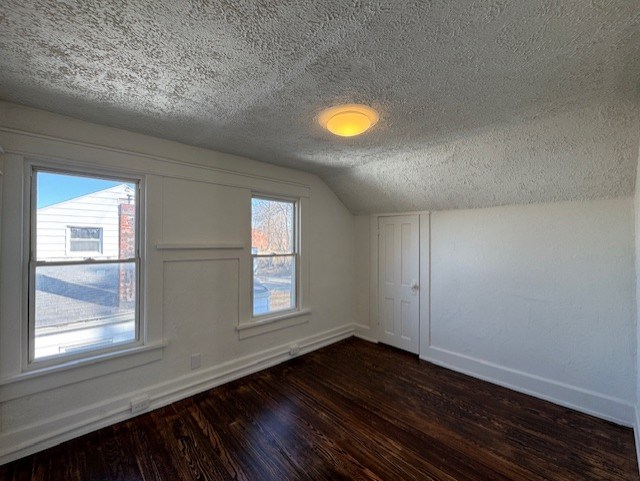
(254, 326)
(283, 313)
(29, 364)
(71, 372)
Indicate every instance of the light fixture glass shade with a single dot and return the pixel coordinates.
(348, 120)
(348, 124)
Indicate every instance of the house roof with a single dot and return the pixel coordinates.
(120, 189)
(481, 103)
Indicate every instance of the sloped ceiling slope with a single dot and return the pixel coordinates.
(482, 103)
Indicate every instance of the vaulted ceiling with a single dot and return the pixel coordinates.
(481, 102)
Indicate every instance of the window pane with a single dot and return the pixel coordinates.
(274, 287)
(84, 246)
(84, 307)
(85, 232)
(79, 215)
(272, 226)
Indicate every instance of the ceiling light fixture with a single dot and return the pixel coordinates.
(348, 120)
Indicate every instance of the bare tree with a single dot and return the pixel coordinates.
(275, 220)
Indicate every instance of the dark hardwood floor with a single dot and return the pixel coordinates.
(353, 410)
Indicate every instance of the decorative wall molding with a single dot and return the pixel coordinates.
(79, 143)
(248, 329)
(38, 146)
(31, 382)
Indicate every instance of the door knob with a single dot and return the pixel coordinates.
(415, 286)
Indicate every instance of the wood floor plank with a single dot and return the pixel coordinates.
(455, 422)
(40, 470)
(383, 454)
(319, 455)
(92, 463)
(144, 440)
(255, 448)
(443, 456)
(217, 444)
(493, 397)
(118, 460)
(353, 410)
(492, 428)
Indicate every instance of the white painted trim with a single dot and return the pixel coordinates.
(424, 242)
(365, 333)
(583, 400)
(29, 257)
(57, 375)
(103, 147)
(272, 323)
(162, 246)
(393, 214)
(373, 274)
(51, 149)
(45, 434)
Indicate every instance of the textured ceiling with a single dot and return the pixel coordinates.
(473, 95)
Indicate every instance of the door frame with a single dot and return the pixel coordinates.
(424, 271)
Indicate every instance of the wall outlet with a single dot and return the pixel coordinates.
(294, 349)
(195, 361)
(140, 404)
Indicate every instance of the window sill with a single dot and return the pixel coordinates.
(272, 323)
(51, 377)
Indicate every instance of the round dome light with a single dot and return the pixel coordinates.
(348, 120)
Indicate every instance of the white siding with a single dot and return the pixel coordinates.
(99, 209)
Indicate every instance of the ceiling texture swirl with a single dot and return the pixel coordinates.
(481, 102)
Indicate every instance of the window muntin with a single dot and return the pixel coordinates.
(83, 292)
(274, 248)
(85, 239)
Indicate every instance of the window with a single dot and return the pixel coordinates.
(83, 277)
(85, 239)
(274, 247)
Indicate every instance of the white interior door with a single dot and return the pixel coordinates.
(398, 281)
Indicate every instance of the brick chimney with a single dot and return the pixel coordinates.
(127, 250)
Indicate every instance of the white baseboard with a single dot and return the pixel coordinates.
(36, 437)
(33, 438)
(588, 402)
(364, 332)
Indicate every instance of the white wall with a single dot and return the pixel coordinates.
(362, 263)
(196, 298)
(539, 298)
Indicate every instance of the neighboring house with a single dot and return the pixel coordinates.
(259, 241)
(87, 304)
(92, 225)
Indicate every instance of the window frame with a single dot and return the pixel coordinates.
(32, 262)
(295, 254)
(70, 239)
